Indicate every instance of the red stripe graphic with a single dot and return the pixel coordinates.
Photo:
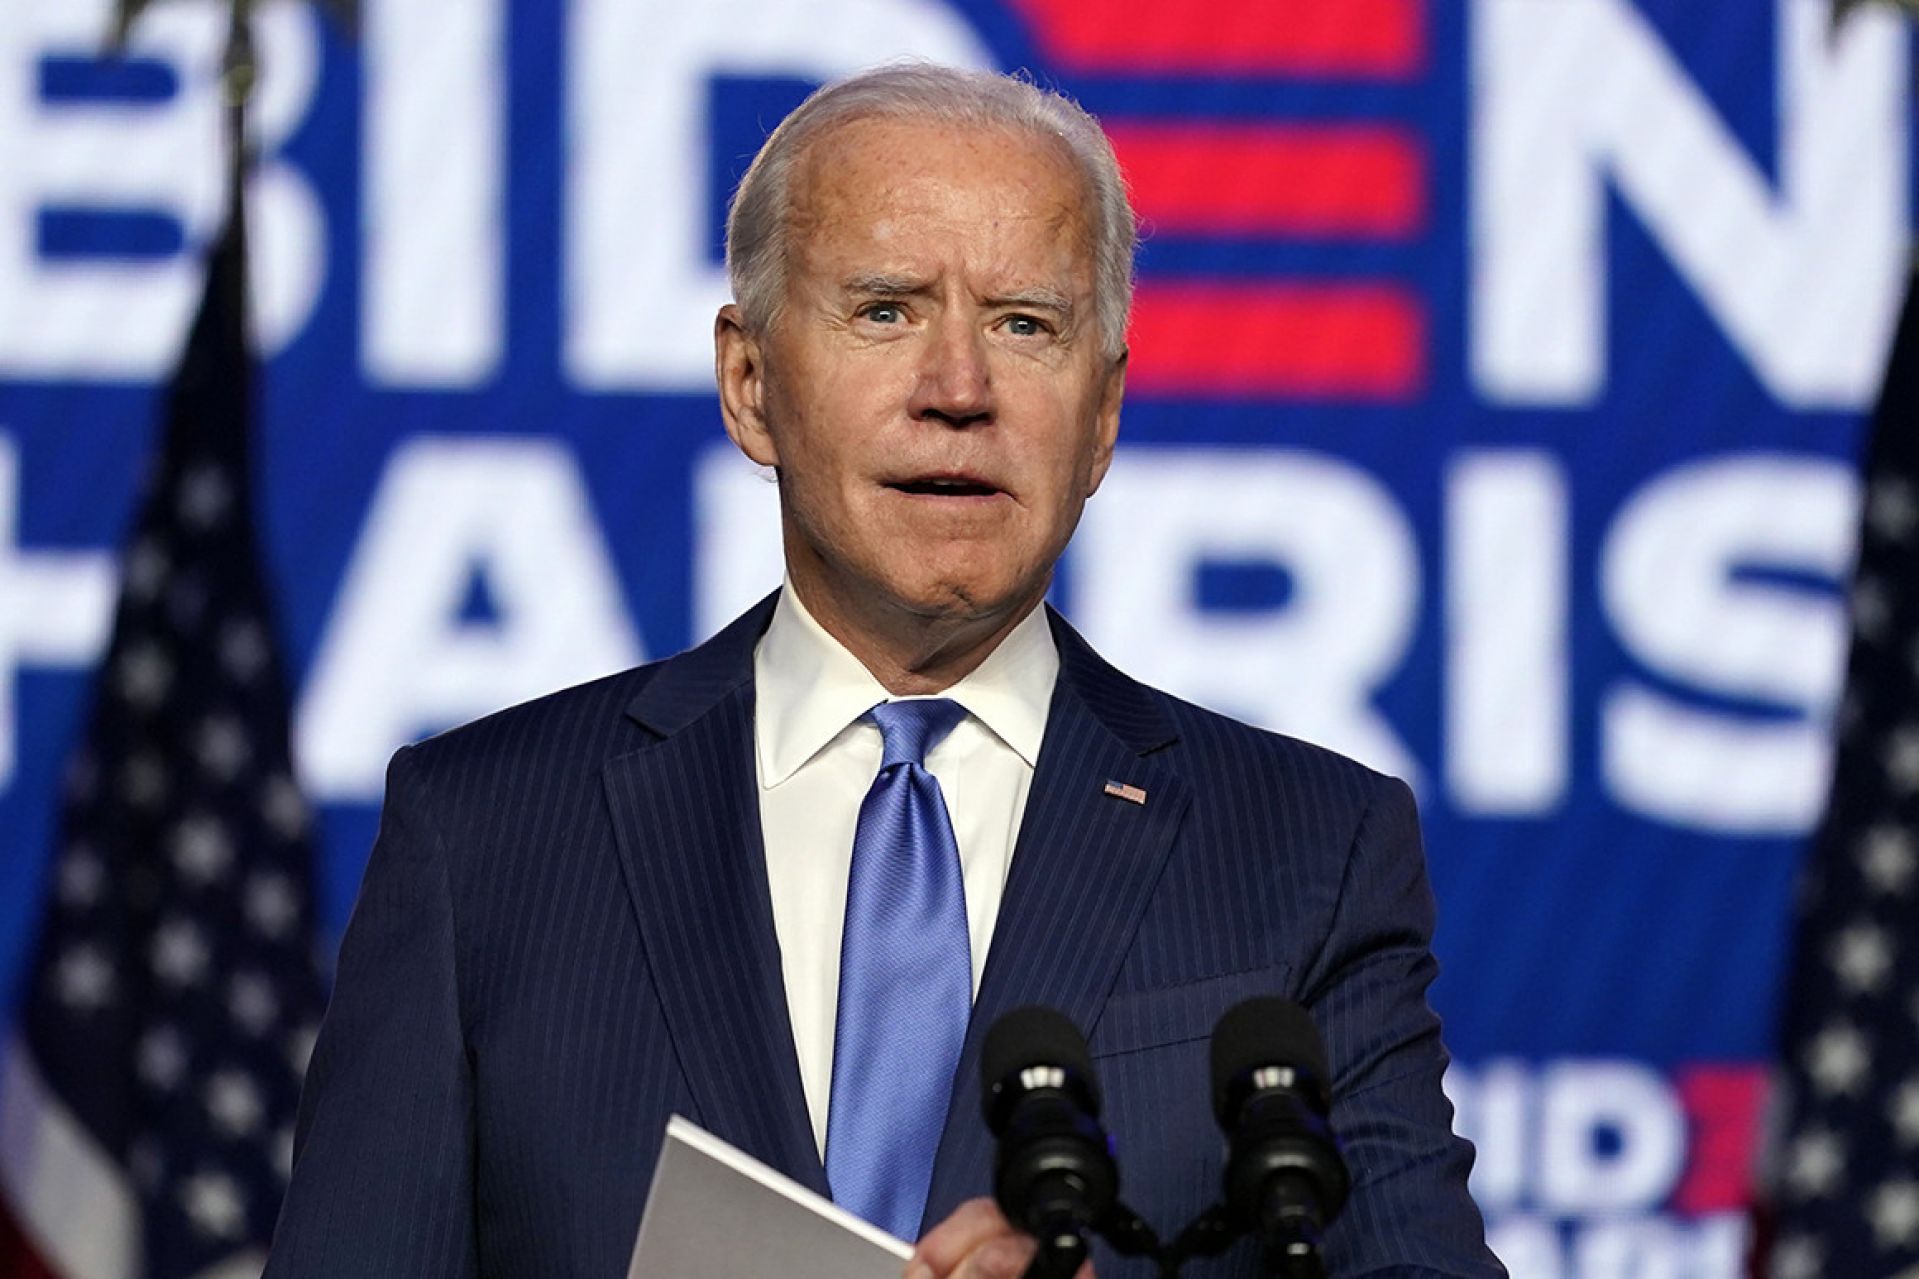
(1384, 39)
(18, 1257)
(1291, 341)
(1319, 180)
(1724, 1105)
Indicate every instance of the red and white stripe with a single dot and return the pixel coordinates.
(73, 1208)
(67, 1210)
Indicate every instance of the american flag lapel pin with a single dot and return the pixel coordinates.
(1120, 790)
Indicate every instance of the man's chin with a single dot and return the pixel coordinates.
(943, 595)
(961, 603)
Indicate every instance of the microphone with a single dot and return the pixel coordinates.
(1285, 1179)
(1054, 1174)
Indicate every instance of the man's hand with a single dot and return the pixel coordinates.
(976, 1242)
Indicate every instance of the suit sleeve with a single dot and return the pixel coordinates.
(1409, 1214)
(383, 1164)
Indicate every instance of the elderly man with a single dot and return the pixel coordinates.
(781, 883)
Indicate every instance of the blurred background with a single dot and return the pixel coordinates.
(1501, 386)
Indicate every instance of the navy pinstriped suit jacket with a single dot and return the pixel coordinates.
(565, 935)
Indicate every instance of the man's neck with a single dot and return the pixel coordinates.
(910, 654)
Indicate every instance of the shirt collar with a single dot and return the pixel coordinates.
(808, 688)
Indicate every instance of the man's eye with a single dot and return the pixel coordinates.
(1025, 326)
(883, 313)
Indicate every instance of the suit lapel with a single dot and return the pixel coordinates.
(686, 817)
(1083, 869)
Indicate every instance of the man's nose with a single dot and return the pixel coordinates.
(955, 385)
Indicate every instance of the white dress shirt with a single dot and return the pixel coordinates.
(816, 760)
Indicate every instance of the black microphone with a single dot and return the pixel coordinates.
(1054, 1174)
(1285, 1179)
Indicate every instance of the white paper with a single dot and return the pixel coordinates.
(715, 1212)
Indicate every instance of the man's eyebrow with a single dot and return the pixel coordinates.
(1038, 298)
(888, 286)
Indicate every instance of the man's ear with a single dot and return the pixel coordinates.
(1106, 430)
(740, 370)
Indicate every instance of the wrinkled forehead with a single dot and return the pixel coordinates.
(870, 181)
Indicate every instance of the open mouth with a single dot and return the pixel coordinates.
(945, 486)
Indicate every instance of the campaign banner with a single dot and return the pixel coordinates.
(1498, 377)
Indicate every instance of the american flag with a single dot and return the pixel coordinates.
(147, 1095)
(1846, 1191)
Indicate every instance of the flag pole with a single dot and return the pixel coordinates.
(239, 70)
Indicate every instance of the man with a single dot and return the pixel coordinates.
(627, 899)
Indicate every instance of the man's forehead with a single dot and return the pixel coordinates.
(856, 158)
(869, 181)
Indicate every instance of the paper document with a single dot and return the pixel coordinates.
(715, 1212)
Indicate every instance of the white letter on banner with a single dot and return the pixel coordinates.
(55, 606)
(640, 291)
(431, 308)
(106, 318)
(1805, 280)
(286, 225)
(1636, 1247)
(1506, 654)
(1527, 1245)
(397, 661)
(1308, 668)
(737, 551)
(1494, 1104)
(1668, 578)
(1612, 1138)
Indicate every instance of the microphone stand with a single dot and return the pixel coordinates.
(1289, 1243)
(1290, 1248)
(1061, 1255)
(1207, 1235)
(1057, 1258)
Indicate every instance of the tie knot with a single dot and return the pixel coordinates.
(910, 729)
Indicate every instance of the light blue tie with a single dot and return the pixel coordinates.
(906, 980)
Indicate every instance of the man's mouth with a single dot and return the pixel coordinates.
(945, 486)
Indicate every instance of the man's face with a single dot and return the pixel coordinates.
(933, 393)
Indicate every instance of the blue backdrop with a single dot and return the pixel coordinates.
(1499, 373)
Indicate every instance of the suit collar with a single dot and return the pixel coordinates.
(687, 685)
(686, 820)
(1085, 867)
(1127, 709)
(686, 814)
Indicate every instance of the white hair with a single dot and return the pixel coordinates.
(757, 224)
